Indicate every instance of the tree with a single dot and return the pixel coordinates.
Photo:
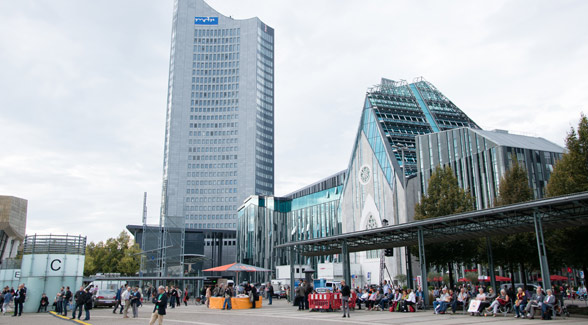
(116, 255)
(514, 249)
(570, 175)
(445, 197)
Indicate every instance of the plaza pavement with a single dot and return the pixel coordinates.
(279, 313)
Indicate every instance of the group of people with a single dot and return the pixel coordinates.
(488, 302)
(302, 293)
(128, 297)
(82, 301)
(387, 297)
(18, 296)
(228, 291)
(526, 306)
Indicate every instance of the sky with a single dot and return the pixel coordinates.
(83, 88)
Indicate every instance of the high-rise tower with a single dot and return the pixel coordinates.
(219, 135)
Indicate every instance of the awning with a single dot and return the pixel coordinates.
(237, 267)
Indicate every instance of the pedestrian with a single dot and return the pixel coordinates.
(173, 297)
(43, 303)
(7, 298)
(270, 292)
(88, 303)
(345, 293)
(178, 296)
(300, 296)
(19, 299)
(254, 295)
(59, 301)
(80, 300)
(66, 300)
(125, 298)
(208, 295)
(135, 302)
(118, 300)
(160, 304)
(228, 296)
(186, 296)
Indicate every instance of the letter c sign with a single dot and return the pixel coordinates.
(56, 264)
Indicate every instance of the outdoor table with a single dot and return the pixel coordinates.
(236, 303)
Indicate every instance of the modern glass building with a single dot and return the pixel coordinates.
(267, 221)
(219, 135)
(378, 186)
(480, 158)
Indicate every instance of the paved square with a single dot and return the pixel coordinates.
(280, 313)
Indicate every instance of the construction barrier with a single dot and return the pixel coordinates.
(352, 300)
(319, 301)
(336, 301)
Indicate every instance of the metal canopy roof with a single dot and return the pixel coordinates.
(557, 212)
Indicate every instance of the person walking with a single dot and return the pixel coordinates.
(186, 296)
(159, 309)
(173, 297)
(43, 303)
(66, 300)
(208, 295)
(7, 298)
(19, 299)
(125, 297)
(178, 296)
(270, 292)
(345, 293)
(80, 300)
(135, 302)
(118, 300)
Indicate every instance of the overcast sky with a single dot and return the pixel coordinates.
(83, 88)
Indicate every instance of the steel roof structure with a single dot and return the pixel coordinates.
(557, 212)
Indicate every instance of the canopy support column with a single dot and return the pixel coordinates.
(346, 263)
(542, 251)
(292, 293)
(408, 268)
(425, 288)
(491, 263)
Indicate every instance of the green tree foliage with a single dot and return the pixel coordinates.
(445, 197)
(115, 255)
(570, 175)
(514, 185)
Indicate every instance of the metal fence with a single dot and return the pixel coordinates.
(54, 244)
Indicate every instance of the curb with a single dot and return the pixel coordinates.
(68, 319)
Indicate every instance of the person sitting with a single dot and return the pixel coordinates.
(372, 299)
(481, 297)
(396, 297)
(441, 301)
(520, 303)
(384, 300)
(410, 301)
(547, 305)
(462, 299)
(363, 299)
(490, 296)
(534, 303)
(43, 303)
(500, 301)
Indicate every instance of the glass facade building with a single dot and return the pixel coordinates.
(267, 221)
(219, 135)
(378, 186)
(480, 158)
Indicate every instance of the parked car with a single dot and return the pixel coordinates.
(105, 298)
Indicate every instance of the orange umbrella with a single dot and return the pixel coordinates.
(237, 267)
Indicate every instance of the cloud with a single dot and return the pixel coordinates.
(83, 88)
